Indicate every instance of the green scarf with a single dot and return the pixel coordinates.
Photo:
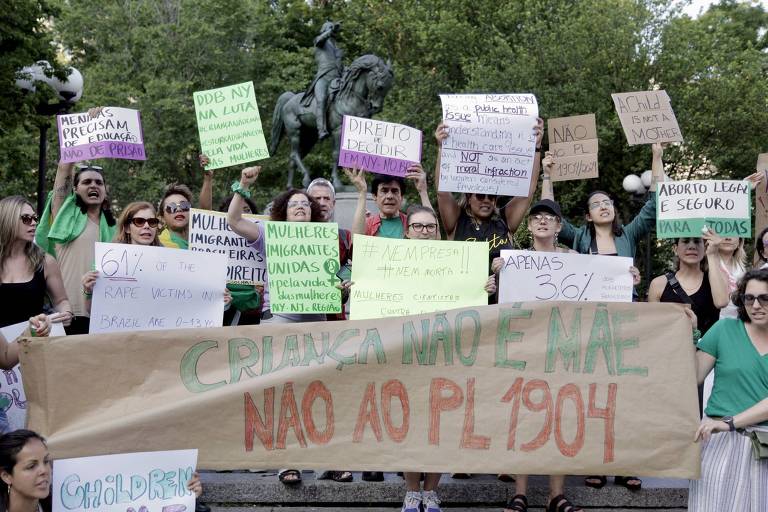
(244, 296)
(69, 224)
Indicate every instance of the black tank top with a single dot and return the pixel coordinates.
(493, 231)
(22, 300)
(704, 307)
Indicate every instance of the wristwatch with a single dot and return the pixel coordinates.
(729, 421)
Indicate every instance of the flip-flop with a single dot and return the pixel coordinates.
(596, 482)
(290, 477)
(561, 504)
(624, 481)
(517, 503)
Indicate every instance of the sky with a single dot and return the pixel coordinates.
(698, 6)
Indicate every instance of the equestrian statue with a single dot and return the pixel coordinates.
(306, 118)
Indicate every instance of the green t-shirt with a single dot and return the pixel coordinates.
(391, 228)
(741, 373)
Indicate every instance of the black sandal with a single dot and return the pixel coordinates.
(290, 477)
(517, 503)
(596, 482)
(561, 504)
(624, 481)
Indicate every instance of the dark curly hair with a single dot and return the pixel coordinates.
(280, 206)
(382, 179)
(759, 246)
(737, 297)
(224, 206)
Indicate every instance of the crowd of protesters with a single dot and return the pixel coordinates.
(46, 275)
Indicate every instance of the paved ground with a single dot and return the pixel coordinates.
(262, 492)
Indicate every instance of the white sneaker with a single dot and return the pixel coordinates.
(412, 502)
(431, 501)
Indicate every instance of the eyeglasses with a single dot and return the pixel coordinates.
(694, 241)
(599, 204)
(294, 204)
(483, 197)
(183, 206)
(750, 299)
(418, 226)
(140, 221)
(544, 216)
(28, 219)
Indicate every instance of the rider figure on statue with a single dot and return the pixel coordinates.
(329, 67)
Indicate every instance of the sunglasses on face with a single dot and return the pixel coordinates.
(183, 206)
(544, 216)
(139, 222)
(85, 167)
(483, 197)
(599, 204)
(296, 204)
(750, 299)
(418, 226)
(28, 219)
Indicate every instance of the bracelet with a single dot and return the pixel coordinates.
(85, 292)
(237, 188)
(545, 177)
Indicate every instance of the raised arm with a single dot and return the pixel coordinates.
(446, 203)
(718, 279)
(547, 165)
(517, 207)
(239, 225)
(205, 201)
(657, 165)
(357, 177)
(62, 186)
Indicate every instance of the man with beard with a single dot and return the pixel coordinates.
(76, 216)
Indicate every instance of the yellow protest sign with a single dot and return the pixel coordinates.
(396, 277)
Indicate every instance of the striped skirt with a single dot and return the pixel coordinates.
(731, 479)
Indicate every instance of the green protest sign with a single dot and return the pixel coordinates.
(396, 277)
(685, 208)
(230, 126)
(302, 261)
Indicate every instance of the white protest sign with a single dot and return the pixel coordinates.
(533, 275)
(684, 208)
(12, 398)
(144, 288)
(647, 117)
(491, 145)
(378, 146)
(144, 482)
(114, 132)
(210, 232)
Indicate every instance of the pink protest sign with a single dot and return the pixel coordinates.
(378, 146)
(114, 132)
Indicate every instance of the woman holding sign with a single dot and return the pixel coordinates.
(475, 217)
(732, 477)
(604, 233)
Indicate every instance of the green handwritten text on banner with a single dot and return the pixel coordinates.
(685, 208)
(230, 126)
(535, 388)
(302, 261)
(396, 277)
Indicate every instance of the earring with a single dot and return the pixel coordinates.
(556, 233)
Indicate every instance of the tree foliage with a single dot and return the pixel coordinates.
(572, 54)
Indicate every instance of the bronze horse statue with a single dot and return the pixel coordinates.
(360, 92)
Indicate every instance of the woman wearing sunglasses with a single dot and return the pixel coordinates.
(27, 274)
(475, 217)
(737, 350)
(174, 208)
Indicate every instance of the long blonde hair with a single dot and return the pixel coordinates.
(10, 216)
